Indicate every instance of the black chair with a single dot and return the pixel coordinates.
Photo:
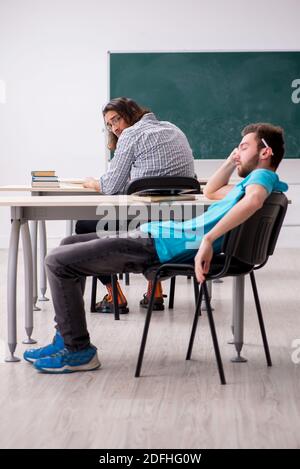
(245, 249)
(168, 182)
(153, 182)
(163, 182)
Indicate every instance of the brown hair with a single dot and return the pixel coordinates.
(274, 137)
(126, 108)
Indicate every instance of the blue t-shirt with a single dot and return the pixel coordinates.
(179, 239)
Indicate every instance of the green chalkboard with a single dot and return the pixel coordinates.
(211, 96)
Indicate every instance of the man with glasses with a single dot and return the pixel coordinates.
(256, 160)
(143, 146)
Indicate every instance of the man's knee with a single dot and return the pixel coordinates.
(69, 240)
(52, 259)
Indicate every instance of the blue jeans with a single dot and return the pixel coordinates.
(80, 256)
(90, 226)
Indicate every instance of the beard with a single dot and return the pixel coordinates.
(245, 169)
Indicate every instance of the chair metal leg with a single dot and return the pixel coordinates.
(238, 284)
(146, 328)
(114, 280)
(93, 295)
(196, 292)
(213, 334)
(209, 289)
(260, 319)
(172, 292)
(121, 276)
(195, 323)
(127, 282)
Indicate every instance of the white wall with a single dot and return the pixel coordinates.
(53, 60)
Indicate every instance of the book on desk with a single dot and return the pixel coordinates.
(42, 173)
(45, 184)
(48, 178)
(41, 178)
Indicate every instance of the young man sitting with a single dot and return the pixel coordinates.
(256, 160)
(143, 147)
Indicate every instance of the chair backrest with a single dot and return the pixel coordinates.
(254, 241)
(166, 182)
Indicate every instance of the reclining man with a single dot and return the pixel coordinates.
(256, 160)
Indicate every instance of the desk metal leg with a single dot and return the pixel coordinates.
(231, 341)
(28, 270)
(12, 290)
(43, 253)
(69, 227)
(33, 235)
(238, 316)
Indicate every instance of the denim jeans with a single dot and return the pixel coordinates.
(90, 226)
(80, 256)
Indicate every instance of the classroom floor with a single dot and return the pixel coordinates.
(175, 404)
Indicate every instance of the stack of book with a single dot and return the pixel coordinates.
(44, 179)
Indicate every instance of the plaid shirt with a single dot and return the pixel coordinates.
(148, 148)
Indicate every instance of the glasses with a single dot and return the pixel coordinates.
(113, 121)
(265, 144)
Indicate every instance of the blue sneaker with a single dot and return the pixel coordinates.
(31, 355)
(66, 361)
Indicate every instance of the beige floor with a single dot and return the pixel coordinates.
(176, 404)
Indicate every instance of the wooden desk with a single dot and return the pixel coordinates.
(71, 189)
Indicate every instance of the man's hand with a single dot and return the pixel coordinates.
(231, 157)
(218, 186)
(203, 259)
(92, 183)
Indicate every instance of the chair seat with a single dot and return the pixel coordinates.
(168, 270)
(236, 267)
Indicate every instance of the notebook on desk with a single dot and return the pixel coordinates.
(165, 191)
(71, 180)
(164, 194)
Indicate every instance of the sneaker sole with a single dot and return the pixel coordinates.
(156, 307)
(109, 311)
(32, 360)
(94, 364)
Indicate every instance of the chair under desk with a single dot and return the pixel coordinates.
(62, 207)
